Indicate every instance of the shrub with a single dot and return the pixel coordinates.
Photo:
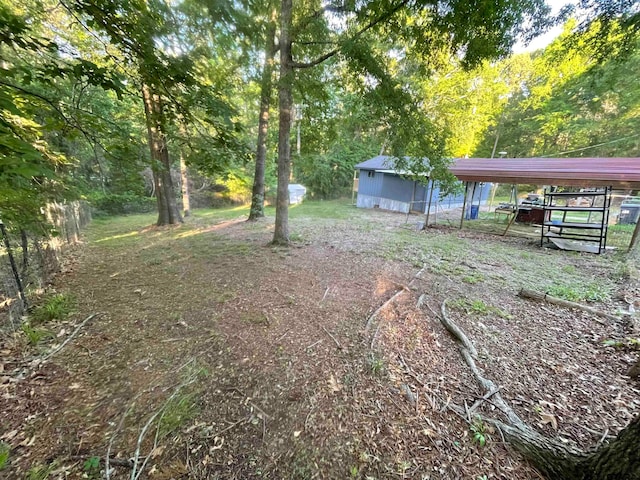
(56, 307)
(121, 204)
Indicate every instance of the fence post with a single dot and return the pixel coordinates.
(13, 265)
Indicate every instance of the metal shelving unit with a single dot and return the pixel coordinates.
(575, 229)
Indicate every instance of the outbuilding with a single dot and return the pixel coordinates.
(380, 185)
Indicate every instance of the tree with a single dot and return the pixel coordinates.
(149, 34)
(258, 191)
(476, 31)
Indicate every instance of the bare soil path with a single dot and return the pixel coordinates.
(270, 372)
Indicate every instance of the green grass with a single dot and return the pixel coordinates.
(177, 412)
(477, 307)
(55, 307)
(340, 209)
(35, 335)
(5, 449)
(595, 291)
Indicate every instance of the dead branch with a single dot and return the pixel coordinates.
(483, 399)
(135, 473)
(533, 295)
(332, 337)
(313, 344)
(325, 295)
(108, 461)
(70, 337)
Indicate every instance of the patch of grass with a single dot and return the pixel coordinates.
(177, 412)
(224, 297)
(35, 335)
(334, 209)
(255, 318)
(295, 237)
(40, 472)
(473, 278)
(477, 307)
(627, 343)
(579, 292)
(55, 307)
(376, 365)
(5, 449)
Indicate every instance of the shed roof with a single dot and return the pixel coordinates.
(385, 163)
(585, 172)
(620, 172)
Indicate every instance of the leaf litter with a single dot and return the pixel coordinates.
(288, 385)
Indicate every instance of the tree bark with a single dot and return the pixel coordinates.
(184, 187)
(285, 101)
(168, 213)
(257, 196)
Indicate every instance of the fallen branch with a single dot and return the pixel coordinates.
(233, 425)
(325, 295)
(543, 297)
(70, 337)
(135, 473)
(332, 337)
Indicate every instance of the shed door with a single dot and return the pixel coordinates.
(419, 199)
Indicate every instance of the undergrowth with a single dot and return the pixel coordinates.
(55, 307)
(477, 307)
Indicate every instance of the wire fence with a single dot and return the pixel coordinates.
(28, 261)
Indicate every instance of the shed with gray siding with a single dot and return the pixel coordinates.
(381, 186)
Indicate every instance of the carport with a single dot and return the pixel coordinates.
(621, 173)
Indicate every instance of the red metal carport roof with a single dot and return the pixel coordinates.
(623, 173)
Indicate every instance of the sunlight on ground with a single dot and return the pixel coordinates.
(116, 237)
(218, 226)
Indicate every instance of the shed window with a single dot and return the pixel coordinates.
(371, 173)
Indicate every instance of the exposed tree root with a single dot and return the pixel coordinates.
(618, 459)
(533, 295)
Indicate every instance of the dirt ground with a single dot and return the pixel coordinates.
(217, 356)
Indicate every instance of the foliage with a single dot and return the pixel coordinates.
(120, 204)
(5, 449)
(34, 335)
(567, 101)
(91, 467)
(55, 307)
(594, 291)
(330, 175)
(479, 430)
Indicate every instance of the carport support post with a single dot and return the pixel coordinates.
(464, 202)
(634, 237)
(426, 221)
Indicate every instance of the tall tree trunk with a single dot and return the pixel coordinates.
(285, 101)
(257, 196)
(168, 213)
(184, 177)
